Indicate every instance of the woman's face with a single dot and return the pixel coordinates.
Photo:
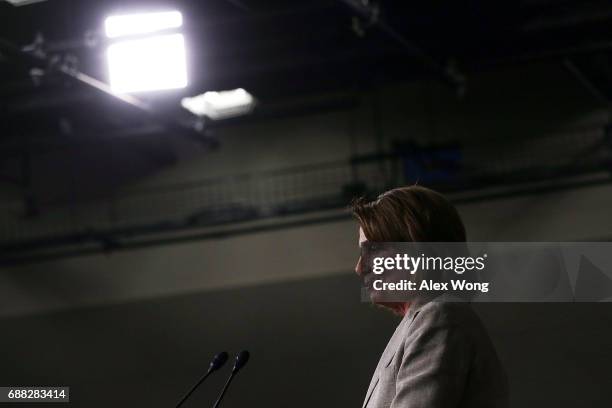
(361, 270)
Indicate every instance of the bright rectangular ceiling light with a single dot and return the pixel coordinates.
(147, 64)
(220, 105)
(137, 24)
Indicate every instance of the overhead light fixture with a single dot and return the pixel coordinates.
(220, 105)
(148, 64)
(154, 62)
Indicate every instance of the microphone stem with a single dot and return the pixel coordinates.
(229, 380)
(194, 388)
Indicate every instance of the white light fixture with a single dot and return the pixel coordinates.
(134, 24)
(220, 105)
(148, 64)
(154, 62)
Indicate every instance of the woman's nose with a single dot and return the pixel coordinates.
(358, 267)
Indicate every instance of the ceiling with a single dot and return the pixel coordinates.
(275, 49)
(279, 48)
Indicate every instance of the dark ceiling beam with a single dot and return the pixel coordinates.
(372, 15)
(242, 72)
(31, 60)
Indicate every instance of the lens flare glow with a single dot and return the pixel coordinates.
(135, 24)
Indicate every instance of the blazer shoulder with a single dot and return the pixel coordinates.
(446, 313)
(457, 320)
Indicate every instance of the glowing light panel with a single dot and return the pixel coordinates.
(148, 64)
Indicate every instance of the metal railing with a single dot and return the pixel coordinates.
(134, 212)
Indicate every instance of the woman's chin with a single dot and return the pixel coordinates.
(398, 308)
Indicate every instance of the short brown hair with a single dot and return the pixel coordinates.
(409, 214)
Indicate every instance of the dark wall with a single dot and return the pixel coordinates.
(312, 342)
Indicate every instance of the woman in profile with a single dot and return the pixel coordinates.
(440, 354)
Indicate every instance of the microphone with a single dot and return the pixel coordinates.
(241, 359)
(215, 364)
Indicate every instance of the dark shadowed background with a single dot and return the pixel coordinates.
(135, 243)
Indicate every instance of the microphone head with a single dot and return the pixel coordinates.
(218, 361)
(241, 359)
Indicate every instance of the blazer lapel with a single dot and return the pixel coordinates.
(373, 385)
(386, 358)
(392, 347)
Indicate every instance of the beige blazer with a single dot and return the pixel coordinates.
(439, 356)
